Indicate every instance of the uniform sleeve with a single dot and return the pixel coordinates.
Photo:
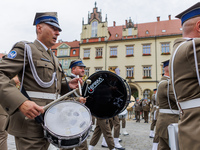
(12, 64)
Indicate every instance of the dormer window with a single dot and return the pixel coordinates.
(116, 35)
(147, 32)
(163, 31)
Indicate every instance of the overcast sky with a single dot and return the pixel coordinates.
(17, 15)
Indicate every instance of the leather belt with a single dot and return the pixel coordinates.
(190, 103)
(42, 95)
(169, 111)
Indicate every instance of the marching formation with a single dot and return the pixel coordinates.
(51, 108)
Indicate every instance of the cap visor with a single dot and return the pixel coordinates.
(54, 24)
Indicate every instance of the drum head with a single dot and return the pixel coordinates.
(107, 94)
(67, 119)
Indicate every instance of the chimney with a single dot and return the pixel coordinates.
(158, 18)
(169, 17)
(114, 23)
(126, 22)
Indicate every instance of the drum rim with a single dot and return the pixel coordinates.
(76, 135)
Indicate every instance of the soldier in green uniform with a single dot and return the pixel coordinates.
(184, 72)
(40, 74)
(168, 112)
(153, 110)
(165, 77)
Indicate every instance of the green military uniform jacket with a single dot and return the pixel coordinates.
(11, 97)
(187, 88)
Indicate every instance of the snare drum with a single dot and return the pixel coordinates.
(67, 124)
(123, 114)
(109, 94)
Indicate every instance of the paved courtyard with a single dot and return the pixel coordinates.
(138, 138)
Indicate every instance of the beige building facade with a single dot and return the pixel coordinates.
(138, 50)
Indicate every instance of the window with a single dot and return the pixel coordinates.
(147, 94)
(130, 72)
(86, 53)
(98, 52)
(130, 31)
(87, 72)
(61, 52)
(165, 48)
(98, 69)
(74, 52)
(66, 63)
(146, 72)
(129, 50)
(113, 51)
(94, 29)
(64, 52)
(146, 49)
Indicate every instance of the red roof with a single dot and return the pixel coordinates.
(71, 44)
(159, 28)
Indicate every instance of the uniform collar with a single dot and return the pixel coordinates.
(42, 44)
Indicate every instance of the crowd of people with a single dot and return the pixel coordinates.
(42, 80)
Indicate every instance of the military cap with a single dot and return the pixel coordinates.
(77, 62)
(165, 63)
(48, 18)
(154, 89)
(191, 12)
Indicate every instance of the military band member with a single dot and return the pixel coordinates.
(40, 75)
(165, 77)
(184, 72)
(115, 124)
(102, 126)
(153, 110)
(78, 70)
(138, 108)
(168, 113)
(146, 109)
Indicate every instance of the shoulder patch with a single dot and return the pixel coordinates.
(12, 54)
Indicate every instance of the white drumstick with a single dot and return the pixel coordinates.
(59, 99)
(88, 82)
(79, 86)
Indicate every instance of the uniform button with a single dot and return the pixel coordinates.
(7, 109)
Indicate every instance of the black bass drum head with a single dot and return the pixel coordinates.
(107, 94)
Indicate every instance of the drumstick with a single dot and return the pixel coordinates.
(88, 82)
(59, 99)
(79, 86)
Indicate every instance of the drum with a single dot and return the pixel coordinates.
(123, 114)
(67, 124)
(108, 94)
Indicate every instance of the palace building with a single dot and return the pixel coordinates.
(136, 49)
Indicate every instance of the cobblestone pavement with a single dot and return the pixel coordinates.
(138, 138)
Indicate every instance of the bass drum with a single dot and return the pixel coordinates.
(108, 94)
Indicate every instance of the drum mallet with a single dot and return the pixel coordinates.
(79, 86)
(88, 82)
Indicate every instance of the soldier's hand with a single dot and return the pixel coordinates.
(74, 83)
(30, 109)
(82, 100)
